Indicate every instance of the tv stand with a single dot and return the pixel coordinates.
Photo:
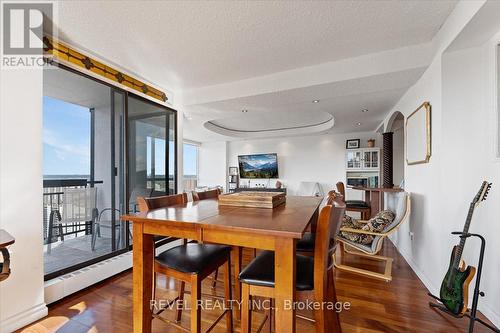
(259, 189)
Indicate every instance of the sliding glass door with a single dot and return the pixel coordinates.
(151, 150)
(103, 147)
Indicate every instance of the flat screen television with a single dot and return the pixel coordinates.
(258, 166)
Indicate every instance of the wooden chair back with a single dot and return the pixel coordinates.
(147, 204)
(329, 222)
(341, 189)
(206, 195)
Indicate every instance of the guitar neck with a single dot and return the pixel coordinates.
(461, 246)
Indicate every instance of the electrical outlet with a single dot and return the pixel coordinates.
(411, 235)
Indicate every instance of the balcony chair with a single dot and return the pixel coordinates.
(191, 263)
(359, 206)
(400, 204)
(136, 192)
(314, 275)
(78, 206)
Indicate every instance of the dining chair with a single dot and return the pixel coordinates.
(305, 245)
(190, 263)
(210, 194)
(314, 275)
(359, 206)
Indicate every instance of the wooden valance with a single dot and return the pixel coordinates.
(63, 52)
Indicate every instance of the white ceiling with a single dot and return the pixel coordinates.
(189, 46)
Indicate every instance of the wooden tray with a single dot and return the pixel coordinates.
(253, 199)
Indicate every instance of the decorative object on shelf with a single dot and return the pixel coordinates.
(352, 144)
(233, 171)
(253, 199)
(418, 135)
(67, 55)
(279, 184)
(455, 287)
(371, 143)
(234, 179)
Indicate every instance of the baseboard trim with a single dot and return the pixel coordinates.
(24, 318)
(489, 313)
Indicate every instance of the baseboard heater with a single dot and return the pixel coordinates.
(67, 284)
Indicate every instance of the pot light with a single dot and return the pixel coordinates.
(316, 101)
(359, 124)
(364, 110)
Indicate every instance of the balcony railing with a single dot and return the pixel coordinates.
(53, 190)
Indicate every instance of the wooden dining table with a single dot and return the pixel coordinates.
(275, 229)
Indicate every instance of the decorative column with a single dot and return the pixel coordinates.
(387, 160)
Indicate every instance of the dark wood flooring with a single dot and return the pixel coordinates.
(376, 306)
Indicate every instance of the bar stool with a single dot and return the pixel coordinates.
(190, 263)
(359, 206)
(305, 245)
(314, 275)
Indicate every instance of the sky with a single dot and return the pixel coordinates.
(66, 138)
(66, 142)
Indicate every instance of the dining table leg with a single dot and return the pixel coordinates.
(237, 256)
(285, 284)
(143, 258)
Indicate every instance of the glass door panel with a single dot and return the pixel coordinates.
(83, 171)
(374, 159)
(367, 160)
(151, 161)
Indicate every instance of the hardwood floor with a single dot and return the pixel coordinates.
(376, 306)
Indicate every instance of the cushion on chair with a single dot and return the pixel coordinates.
(378, 223)
(193, 257)
(260, 272)
(306, 243)
(356, 204)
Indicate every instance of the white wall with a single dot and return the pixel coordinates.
(212, 164)
(459, 86)
(21, 295)
(319, 158)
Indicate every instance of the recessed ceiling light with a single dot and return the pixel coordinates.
(316, 101)
(364, 110)
(359, 124)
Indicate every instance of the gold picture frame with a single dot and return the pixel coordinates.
(418, 135)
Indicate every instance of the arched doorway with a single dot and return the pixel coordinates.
(396, 125)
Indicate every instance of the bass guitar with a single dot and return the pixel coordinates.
(455, 287)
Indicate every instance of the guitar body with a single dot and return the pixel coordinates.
(455, 287)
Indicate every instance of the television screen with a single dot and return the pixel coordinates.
(258, 166)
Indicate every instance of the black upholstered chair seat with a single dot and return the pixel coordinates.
(306, 243)
(260, 272)
(356, 204)
(193, 257)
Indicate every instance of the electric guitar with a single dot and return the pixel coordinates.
(455, 287)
